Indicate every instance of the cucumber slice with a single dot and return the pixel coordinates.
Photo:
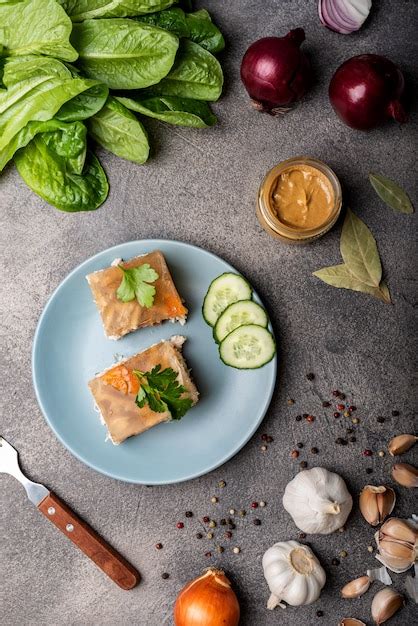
(239, 314)
(248, 347)
(223, 291)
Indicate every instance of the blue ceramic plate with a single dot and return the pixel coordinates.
(70, 348)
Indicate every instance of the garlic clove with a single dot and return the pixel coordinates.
(399, 530)
(401, 443)
(351, 621)
(385, 604)
(405, 475)
(356, 588)
(376, 503)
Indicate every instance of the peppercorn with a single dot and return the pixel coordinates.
(254, 505)
(336, 414)
(302, 535)
(349, 431)
(343, 554)
(369, 470)
(206, 519)
(214, 499)
(347, 414)
(188, 514)
(223, 522)
(219, 549)
(232, 511)
(212, 524)
(340, 407)
(326, 404)
(232, 526)
(262, 504)
(294, 454)
(208, 554)
(221, 484)
(290, 401)
(341, 442)
(314, 450)
(395, 413)
(310, 418)
(367, 452)
(320, 613)
(269, 439)
(257, 522)
(380, 419)
(165, 576)
(236, 550)
(355, 420)
(242, 513)
(263, 448)
(159, 546)
(336, 393)
(310, 376)
(352, 408)
(199, 535)
(300, 444)
(264, 437)
(305, 415)
(370, 549)
(335, 562)
(228, 534)
(303, 465)
(341, 396)
(298, 418)
(180, 525)
(381, 453)
(209, 536)
(353, 439)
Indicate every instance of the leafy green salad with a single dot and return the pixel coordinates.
(75, 69)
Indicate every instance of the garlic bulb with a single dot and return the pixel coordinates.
(293, 574)
(376, 503)
(385, 604)
(318, 501)
(397, 542)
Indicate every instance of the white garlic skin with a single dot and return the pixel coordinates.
(318, 501)
(293, 574)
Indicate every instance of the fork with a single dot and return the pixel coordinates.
(78, 531)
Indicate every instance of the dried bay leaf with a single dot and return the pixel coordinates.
(359, 251)
(391, 194)
(339, 276)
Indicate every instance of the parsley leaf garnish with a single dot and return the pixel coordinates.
(162, 392)
(135, 284)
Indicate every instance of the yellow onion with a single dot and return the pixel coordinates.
(207, 601)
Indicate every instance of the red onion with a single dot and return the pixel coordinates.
(344, 16)
(275, 72)
(366, 90)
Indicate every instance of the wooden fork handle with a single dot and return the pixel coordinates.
(85, 538)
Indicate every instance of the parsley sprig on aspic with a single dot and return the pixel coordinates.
(162, 392)
(136, 284)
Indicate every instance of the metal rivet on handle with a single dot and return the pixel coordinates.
(51, 510)
(69, 528)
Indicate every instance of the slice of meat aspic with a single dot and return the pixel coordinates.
(115, 390)
(119, 317)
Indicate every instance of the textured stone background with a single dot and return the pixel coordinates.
(200, 187)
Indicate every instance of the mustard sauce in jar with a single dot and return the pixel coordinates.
(299, 200)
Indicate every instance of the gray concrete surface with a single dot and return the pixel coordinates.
(200, 187)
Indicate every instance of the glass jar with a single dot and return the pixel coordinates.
(268, 218)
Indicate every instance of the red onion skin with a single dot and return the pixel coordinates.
(366, 91)
(274, 70)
